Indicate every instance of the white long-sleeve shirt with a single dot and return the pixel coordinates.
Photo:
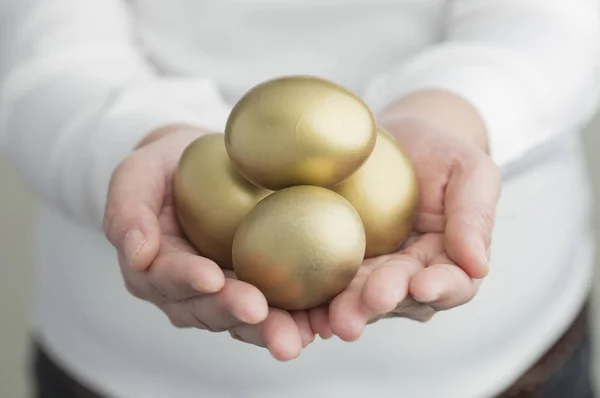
(81, 81)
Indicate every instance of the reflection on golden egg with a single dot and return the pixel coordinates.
(300, 246)
(384, 191)
(299, 130)
(211, 197)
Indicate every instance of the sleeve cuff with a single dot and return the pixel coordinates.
(492, 81)
(139, 110)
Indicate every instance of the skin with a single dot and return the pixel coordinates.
(439, 268)
(159, 266)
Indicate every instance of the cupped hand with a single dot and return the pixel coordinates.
(441, 266)
(160, 266)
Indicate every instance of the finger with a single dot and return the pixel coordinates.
(347, 313)
(319, 321)
(135, 196)
(470, 202)
(282, 335)
(279, 333)
(237, 303)
(443, 286)
(179, 275)
(380, 286)
(387, 288)
(388, 284)
(306, 332)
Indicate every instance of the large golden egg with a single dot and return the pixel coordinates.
(300, 246)
(299, 130)
(211, 198)
(384, 191)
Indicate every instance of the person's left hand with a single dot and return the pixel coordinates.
(413, 283)
(440, 267)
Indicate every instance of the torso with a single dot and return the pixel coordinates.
(239, 43)
(541, 262)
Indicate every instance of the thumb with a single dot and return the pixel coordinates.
(470, 206)
(135, 198)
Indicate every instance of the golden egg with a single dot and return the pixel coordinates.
(299, 130)
(211, 198)
(300, 246)
(384, 192)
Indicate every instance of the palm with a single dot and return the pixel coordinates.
(435, 268)
(166, 270)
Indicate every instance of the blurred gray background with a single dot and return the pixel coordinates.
(16, 270)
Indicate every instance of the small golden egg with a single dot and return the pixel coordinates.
(211, 198)
(300, 246)
(299, 130)
(384, 191)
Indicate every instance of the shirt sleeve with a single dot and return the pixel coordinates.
(530, 68)
(77, 94)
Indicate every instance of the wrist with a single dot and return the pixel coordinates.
(444, 111)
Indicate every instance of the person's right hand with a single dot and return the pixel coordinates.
(161, 267)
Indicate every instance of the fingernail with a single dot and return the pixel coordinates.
(308, 337)
(133, 242)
